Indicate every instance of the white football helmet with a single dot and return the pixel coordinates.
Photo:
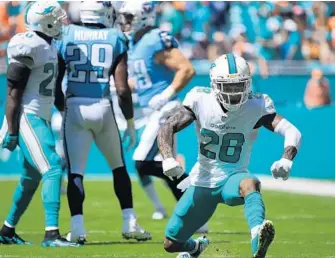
(98, 12)
(46, 16)
(136, 15)
(230, 80)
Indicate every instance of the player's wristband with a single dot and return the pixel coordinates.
(290, 132)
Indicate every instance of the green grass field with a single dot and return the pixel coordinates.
(305, 226)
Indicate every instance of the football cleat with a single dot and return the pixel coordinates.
(203, 230)
(184, 255)
(15, 240)
(59, 242)
(203, 243)
(263, 239)
(132, 230)
(159, 215)
(81, 239)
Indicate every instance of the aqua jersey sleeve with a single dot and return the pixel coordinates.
(165, 41)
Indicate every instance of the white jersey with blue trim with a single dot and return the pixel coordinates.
(225, 139)
(41, 57)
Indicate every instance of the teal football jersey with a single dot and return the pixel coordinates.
(89, 54)
(150, 78)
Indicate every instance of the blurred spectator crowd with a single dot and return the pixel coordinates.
(258, 31)
(271, 30)
(280, 30)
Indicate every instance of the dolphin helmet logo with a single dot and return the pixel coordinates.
(47, 10)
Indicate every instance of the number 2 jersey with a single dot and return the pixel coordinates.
(90, 54)
(41, 57)
(225, 139)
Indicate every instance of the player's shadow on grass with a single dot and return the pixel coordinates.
(143, 243)
(125, 243)
(229, 233)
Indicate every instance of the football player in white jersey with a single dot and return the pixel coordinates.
(227, 118)
(31, 74)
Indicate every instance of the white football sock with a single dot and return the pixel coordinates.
(50, 228)
(77, 224)
(151, 192)
(128, 214)
(8, 225)
(254, 231)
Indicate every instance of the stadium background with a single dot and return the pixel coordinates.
(289, 44)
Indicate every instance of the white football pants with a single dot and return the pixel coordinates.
(147, 149)
(85, 120)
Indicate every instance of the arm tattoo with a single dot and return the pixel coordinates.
(290, 152)
(181, 118)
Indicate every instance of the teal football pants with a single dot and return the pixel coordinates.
(198, 204)
(41, 162)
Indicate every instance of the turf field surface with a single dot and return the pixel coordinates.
(305, 226)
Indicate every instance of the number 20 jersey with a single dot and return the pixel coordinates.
(225, 139)
(35, 53)
(90, 54)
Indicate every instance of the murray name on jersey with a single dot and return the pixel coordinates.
(89, 54)
(35, 53)
(83, 35)
(225, 138)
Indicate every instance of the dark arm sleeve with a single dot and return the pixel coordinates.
(17, 78)
(59, 96)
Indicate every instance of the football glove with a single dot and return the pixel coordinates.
(183, 185)
(160, 100)
(130, 133)
(281, 168)
(172, 168)
(10, 142)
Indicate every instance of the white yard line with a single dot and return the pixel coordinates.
(293, 185)
(299, 185)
